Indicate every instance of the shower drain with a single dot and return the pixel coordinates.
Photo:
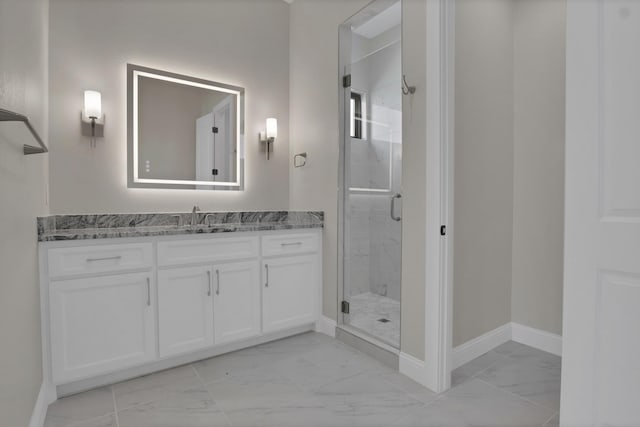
(384, 320)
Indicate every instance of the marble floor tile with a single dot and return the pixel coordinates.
(235, 393)
(258, 366)
(479, 364)
(81, 407)
(154, 387)
(405, 384)
(366, 311)
(554, 421)
(477, 404)
(508, 348)
(529, 373)
(331, 363)
(312, 380)
(366, 400)
(187, 408)
(105, 421)
(248, 402)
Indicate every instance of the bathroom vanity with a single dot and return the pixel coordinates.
(126, 295)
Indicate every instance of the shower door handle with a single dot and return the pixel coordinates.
(393, 207)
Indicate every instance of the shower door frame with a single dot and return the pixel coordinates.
(345, 63)
(435, 371)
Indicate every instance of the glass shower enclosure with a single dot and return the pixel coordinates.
(370, 232)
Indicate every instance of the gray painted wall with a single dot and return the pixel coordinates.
(538, 213)
(23, 192)
(483, 167)
(225, 41)
(509, 165)
(313, 104)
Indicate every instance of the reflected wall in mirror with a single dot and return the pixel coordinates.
(183, 132)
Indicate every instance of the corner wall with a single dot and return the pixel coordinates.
(538, 211)
(510, 89)
(483, 167)
(23, 191)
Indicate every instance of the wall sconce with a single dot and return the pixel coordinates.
(91, 116)
(270, 134)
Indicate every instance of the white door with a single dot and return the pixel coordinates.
(204, 149)
(101, 324)
(224, 154)
(215, 143)
(185, 309)
(288, 295)
(236, 307)
(601, 343)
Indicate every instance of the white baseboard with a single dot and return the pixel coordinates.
(326, 326)
(476, 347)
(40, 409)
(413, 368)
(536, 338)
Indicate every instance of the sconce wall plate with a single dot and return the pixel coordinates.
(86, 126)
(270, 134)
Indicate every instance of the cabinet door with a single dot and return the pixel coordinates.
(101, 324)
(236, 307)
(185, 309)
(289, 291)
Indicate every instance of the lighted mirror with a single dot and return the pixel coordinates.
(184, 132)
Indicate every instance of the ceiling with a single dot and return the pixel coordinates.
(384, 21)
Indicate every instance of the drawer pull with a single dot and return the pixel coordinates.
(109, 258)
(218, 282)
(148, 292)
(291, 244)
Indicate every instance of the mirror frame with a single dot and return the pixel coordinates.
(133, 180)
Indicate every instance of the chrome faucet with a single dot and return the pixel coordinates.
(179, 218)
(194, 215)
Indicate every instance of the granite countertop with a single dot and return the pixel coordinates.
(107, 226)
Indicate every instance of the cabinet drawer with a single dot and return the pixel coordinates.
(99, 259)
(207, 250)
(289, 244)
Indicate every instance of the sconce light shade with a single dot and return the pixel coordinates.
(272, 128)
(92, 104)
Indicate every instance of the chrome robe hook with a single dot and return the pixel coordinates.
(406, 89)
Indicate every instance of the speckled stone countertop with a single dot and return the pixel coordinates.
(107, 226)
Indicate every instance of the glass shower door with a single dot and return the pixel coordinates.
(371, 179)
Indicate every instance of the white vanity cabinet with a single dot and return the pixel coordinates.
(185, 309)
(289, 295)
(291, 280)
(236, 301)
(123, 307)
(101, 324)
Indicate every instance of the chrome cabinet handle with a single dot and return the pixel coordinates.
(266, 267)
(209, 281)
(105, 258)
(291, 244)
(393, 207)
(218, 282)
(148, 292)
